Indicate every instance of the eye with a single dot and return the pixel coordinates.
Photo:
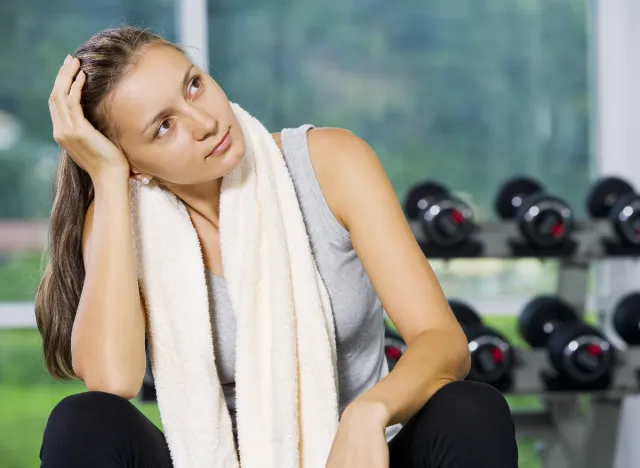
(195, 85)
(164, 127)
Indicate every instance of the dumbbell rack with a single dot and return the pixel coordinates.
(572, 436)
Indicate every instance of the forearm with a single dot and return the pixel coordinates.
(433, 359)
(108, 336)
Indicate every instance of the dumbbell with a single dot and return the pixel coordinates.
(626, 318)
(580, 354)
(492, 356)
(394, 345)
(446, 221)
(615, 198)
(544, 220)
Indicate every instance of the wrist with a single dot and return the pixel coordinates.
(110, 178)
(371, 412)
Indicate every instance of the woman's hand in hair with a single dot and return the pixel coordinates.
(89, 148)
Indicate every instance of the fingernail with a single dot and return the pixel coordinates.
(66, 60)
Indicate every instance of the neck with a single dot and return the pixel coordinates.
(202, 199)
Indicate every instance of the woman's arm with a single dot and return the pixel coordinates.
(108, 330)
(107, 342)
(362, 198)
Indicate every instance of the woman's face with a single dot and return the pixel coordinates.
(169, 117)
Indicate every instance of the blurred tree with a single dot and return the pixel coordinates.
(467, 92)
(36, 36)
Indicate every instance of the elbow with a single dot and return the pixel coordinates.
(126, 390)
(464, 363)
(460, 363)
(455, 363)
(101, 381)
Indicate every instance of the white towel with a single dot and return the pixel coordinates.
(286, 382)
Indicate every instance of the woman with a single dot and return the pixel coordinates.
(123, 108)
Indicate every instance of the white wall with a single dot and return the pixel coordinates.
(193, 30)
(617, 127)
(617, 146)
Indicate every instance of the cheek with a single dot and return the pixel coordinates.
(179, 154)
(215, 90)
(217, 100)
(169, 161)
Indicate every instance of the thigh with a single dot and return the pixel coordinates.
(401, 447)
(102, 430)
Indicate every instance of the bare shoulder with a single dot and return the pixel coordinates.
(332, 140)
(277, 139)
(343, 163)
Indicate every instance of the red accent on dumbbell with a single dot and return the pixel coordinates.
(457, 217)
(393, 353)
(557, 230)
(593, 349)
(497, 354)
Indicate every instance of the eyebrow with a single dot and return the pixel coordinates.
(163, 112)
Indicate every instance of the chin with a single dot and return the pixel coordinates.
(231, 158)
(236, 152)
(238, 145)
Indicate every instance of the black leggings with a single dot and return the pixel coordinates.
(464, 425)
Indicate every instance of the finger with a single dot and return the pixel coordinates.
(58, 125)
(65, 76)
(55, 118)
(62, 86)
(75, 95)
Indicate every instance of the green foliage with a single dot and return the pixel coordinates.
(22, 363)
(468, 92)
(36, 36)
(19, 276)
(28, 395)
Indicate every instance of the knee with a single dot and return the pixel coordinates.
(85, 408)
(467, 408)
(469, 424)
(470, 400)
(86, 417)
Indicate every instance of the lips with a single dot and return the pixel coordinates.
(223, 142)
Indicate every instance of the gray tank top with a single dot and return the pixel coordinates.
(358, 313)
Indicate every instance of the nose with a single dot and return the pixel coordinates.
(204, 124)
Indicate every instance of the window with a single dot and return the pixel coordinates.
(36, 36)
(469, 93)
